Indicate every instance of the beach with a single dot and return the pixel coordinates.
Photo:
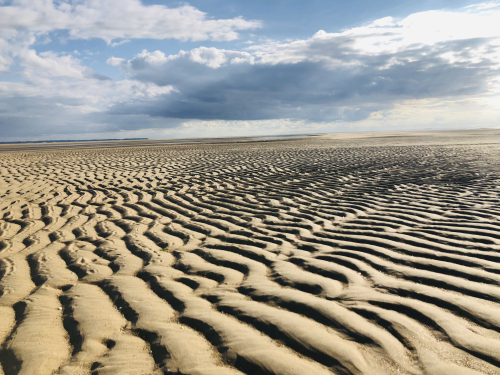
(356, 253)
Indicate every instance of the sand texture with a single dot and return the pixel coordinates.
(340, 254)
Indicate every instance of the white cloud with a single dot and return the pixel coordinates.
(118, 19)
(388, 36)
(482, 6)
(86, 92)
(153, 58)
(5, 59)
(116, 44)
(49, 64)
(208, 56)
(211, 57)
(117, 61)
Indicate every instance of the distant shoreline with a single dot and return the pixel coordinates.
(75, 140)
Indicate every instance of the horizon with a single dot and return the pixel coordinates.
(253, 137)
(206, 69)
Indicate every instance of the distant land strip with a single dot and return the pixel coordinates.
(76, 140)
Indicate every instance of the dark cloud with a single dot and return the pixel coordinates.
(312, 89)
(98, 76)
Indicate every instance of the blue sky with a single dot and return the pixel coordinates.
(161, 69)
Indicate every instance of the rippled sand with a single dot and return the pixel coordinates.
(345, 254)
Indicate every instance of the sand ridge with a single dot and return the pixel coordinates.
(319, 255)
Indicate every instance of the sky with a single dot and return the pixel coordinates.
(92, 69)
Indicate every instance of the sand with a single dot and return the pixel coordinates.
(371, 253)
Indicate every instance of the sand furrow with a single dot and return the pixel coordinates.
(39, 343)
(186, 350)
(316, 255)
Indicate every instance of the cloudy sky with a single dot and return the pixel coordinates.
(82, 69)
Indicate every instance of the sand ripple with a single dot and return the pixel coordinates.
(301, 256)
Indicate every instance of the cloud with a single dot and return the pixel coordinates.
(408, 71)
(118, 19)
(60, 99)
(49, 64)
(211, 57)
(329, 77)
(482, 6)
(116, 44)
(40, 117)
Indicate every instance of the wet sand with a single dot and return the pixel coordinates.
(368, 253)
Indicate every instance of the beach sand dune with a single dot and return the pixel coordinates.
(337, 254)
